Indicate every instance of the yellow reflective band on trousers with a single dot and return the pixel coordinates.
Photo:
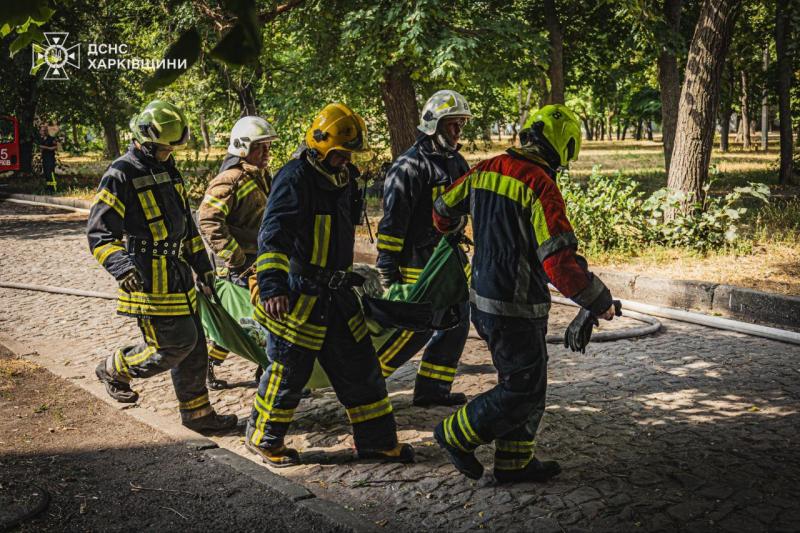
(102, 252)
(450, 435)
(385, 357)
(512, 464)
(269, 260)
(265, 407)
(273, 414)
(108, 198)
(119, 364)
(468, 273)
(306, 335)
(389, 243)
(322, 240)
(216, 203)
(302, 310)
(151, 304)
(515, 446)
(196, 403)
(358, 326)
(410, 274)
(249, 186)
(363, 413)
(466, 427)
(442, 373)
(216, 352)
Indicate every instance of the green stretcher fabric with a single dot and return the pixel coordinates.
(221, 323)
(442, 284)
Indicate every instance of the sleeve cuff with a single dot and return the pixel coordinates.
(596, 297)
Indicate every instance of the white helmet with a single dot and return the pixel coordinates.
(442, 104)
(247, 131)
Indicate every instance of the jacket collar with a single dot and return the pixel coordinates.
(533, 155)
(428, 146)
(145, 162)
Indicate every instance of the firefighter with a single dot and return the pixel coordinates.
(141, 231)
(522, 240)
(305, 249)
(231, 211)
(407, 238)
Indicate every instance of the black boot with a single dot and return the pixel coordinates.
(276, 456)
(535, 471)
(259, 373)
(117, 389)
(447, 399)
(402, 453)
(211, 380)
(465, 462)
(211, 423)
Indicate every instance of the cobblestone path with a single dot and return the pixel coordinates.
(693, 428)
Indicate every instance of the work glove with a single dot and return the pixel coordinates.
(389, 277)
(206, 282)
(579, 331)
(131, 282)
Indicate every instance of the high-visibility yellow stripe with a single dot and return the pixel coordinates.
(149, 332)
(507, 186)
(102, 252)
(515, 446)
(149, 205)
(159, 265)
(269, 260)
(108, 198)
(539, 222)
(246, 189)
(511, 464)
(195, 245)
(450, 435)
(358, 326)
(200, 401)
(146, 297)
(387, 242)
(322, 239)
(396, 346)
(302, 309)
(437, 191)
(216, 352)
(410, 274)
(216, 203)
(140, 357)
(466, 428)
(158, 230)
(288, 333)
(119, 364)
(150, 304)
(273, 385)
(181, 190)
(363, 413)
(458, 193)
(389, 238)
(441, 373)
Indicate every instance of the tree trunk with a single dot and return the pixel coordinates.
(112, 140)
(724, 128)
(638, 135)
(524, 107)
(782, 35)
(669, 78)
(694, 137)
(726, 111)
(400, 103)
(76, 141)
(588, 127)
(649, 130)
(765, 106)
(555, 70)
(737, 126)
(204, 133)
(745, 113)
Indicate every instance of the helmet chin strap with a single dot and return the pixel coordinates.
(443, 142)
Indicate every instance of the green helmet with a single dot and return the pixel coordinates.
(556, 127)
(160, 123)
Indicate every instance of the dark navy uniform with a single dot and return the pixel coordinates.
(141, 221)
(305, 250)
(406, 240)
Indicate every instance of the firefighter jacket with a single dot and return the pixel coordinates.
(406, 236)
(140, 219)
(522, 238)
(231, 211)
(309, 224)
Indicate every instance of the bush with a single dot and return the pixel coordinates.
(607, 214)
(197, 171)
(611, 214)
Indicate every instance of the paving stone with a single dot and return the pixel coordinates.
(647, 430)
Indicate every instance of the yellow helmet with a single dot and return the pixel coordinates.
(336, 127)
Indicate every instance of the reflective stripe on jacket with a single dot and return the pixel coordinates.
(406, 236)
(522, 236)
(231, 211)
(140, 219)
(308, 221)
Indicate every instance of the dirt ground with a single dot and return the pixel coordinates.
(102, 470)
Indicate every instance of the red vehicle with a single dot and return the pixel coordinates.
(9, 143)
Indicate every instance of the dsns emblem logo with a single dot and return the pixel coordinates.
(56, 56)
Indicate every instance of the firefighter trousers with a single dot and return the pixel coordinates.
(355, 376)
(216, 352)
(171, 343)
(508, 414)
(443, 349)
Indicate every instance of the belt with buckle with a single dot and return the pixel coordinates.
(332, 279)
(138, 246)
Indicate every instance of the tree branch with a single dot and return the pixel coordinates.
(269, 16)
